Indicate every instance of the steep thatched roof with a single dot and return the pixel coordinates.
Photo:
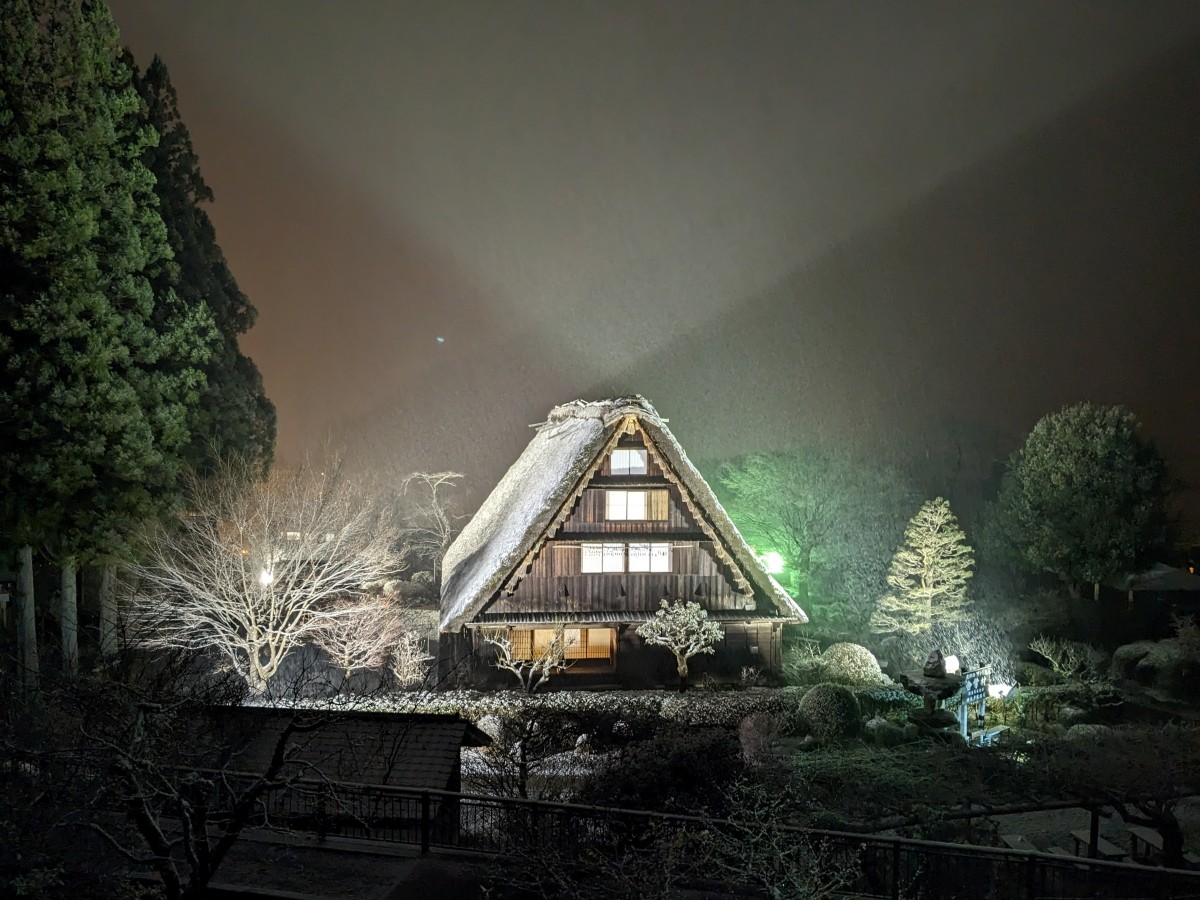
(537, 494)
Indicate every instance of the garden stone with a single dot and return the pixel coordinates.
(910, 732)
(1126, 658)
(1169, 670)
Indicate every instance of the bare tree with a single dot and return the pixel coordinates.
(409, 661)
(363, 637)
(532, 669)
(431, 523)
(256, 566)
(683, 628)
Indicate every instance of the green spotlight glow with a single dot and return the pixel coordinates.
(772, 562)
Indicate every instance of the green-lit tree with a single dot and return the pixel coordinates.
(98, 372)
(1083, 498)
(928, 575)
(234, 414)
(833, 518)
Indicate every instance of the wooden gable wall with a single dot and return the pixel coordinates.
(554, 582)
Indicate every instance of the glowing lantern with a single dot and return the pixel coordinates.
(772, 562)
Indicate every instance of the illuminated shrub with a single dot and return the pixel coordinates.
(802, 665)
(887, 700)
(830, 713)
(851, 664)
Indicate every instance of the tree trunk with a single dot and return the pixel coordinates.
(681, 667)
(27, 630)
(69, 617)
(108, 611)
(1172, 842)
(1096, 591)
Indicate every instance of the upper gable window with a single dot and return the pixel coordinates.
(628, 461)
(635, 506)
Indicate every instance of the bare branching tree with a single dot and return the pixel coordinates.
(532, 669)
(431, 524)
(362, 638)
(409, 661)
(683, 627)
(259, 566)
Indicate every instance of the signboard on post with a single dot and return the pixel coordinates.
(974, 692)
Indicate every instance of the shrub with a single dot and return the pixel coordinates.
(830, 712)
(1071, 659)
(802, 665)
(851, 664)
(884, 700)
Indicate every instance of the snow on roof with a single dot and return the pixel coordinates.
(568, 446)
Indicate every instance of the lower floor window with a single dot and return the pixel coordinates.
(581, 643)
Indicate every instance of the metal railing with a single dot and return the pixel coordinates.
(874, 865)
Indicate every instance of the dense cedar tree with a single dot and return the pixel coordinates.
(100, 372)
(234, 414)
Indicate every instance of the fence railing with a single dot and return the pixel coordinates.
(874, 865)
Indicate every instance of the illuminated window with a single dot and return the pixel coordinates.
(635, 506)
(602, 558)
(291, 535)
(642, 557)
(591, 558)
(580, 643)
(522, 644)
(628, 462)
(614, 557)
(649, 557)
(625, 505)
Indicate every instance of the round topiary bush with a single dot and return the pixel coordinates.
(830, 712)
(851, 664)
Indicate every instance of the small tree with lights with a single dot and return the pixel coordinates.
(928, 575)
(683, 627)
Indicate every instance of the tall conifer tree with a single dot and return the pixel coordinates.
(97, 372)
(234, 415)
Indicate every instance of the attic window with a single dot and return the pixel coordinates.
(627, 461)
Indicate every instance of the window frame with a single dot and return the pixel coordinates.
(628, 454)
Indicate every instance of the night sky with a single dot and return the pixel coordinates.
(890, 222)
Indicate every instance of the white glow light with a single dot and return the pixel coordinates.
(953, 667)
(265, 577)
(999, 691)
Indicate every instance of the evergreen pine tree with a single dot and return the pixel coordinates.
(928, 575)
(97, 373)
(234, 415)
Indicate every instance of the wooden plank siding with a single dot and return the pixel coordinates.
(555, 584)
(588, 517)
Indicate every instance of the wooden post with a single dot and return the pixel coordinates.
(896, 869)
(1094, 833)
(425, 822)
